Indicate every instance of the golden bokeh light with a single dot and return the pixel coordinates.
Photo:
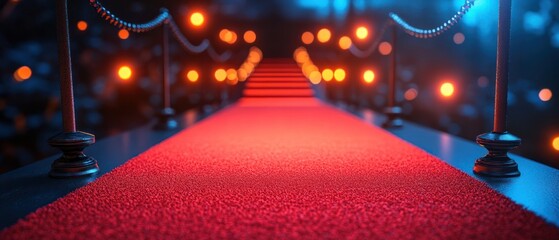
(125, 72)
(192, 76)
(545, 94)
(231, 74)
(228, 36)
(307, 38)
(23, 73)
(324, 35)
(339, 74)
(197, 19)
(123, 34)
(369, 76)
(555, 143)
(447, 89)
(220, 75)
(344, 43)
(242, 74)
(249, 36)
(315, 77)
(362, 32)
(82, 25)
(327, 74)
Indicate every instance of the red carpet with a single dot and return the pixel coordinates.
(283, 168)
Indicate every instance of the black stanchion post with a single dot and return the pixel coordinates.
(165, 120)
(498, 142)
(393, 111)
(73, 162)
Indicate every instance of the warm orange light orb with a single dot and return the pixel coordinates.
(23, 73)
(447, 89)
(123, 34)
(555, 143)
(228, 36)
(410, 94)
(220, 75)
(307, 38)
(344, 43)
(82, 25)
(361, 32)
(369, 76)
(125, 72)
(192, 76)
(339, 74)
(231, 74)
(327, 74)
(223, 34)
(385, 48)
(197, 19)
(249, 36)
(545, 94)
(324, 35)
(315, 77)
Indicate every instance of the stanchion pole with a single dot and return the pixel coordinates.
(73, 161)
(499, 142)
(393, 111)
(166, 119)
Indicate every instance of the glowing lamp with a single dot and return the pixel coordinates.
(124, 72)
(545, 94)
(555, 143)
(228, 36)
(197, 19)
(220, 75)
(315, 77)
(123, 34)
(344, 43)
(23, 73)
(192, 76)
(327, 74)
(339, 74)
(447, 89)
(369, 76)
(307, 38)
(249, 36)
(323, 35)
(361, 32)
(82, 25)
(242, 74)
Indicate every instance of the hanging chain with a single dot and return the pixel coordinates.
(219, 57)
(163, 18)
(133, 27)
(186, 44)
(395, 20)
(434, 32)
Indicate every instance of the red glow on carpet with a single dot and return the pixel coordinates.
(283, 168)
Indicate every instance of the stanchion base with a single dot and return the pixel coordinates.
(497, 163)
(73, 162)
(165, 120)
(393, 119)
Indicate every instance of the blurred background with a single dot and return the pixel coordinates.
(445, 83)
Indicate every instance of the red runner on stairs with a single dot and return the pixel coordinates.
(284, 168)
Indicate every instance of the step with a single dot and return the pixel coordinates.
(278, 93)
(277, 85)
